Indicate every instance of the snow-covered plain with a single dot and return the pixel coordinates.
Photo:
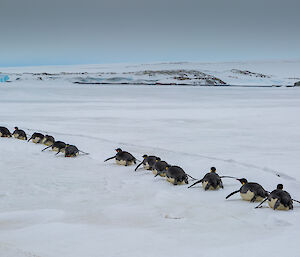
(53, 206)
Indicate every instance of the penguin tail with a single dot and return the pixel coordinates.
(197, 182)
(232, 193)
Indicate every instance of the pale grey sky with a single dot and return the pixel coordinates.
(35, 32)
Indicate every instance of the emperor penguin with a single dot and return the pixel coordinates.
(19, 134)
(160, 168)
(48, 140)
(123, 158)
(36, 138)
(71, 151)
(57, 146)
(211, 180)
(250, 191)
(148, 162)
(279, 199)
(176, 175)
(4, 132)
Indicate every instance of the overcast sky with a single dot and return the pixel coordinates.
(43, 32)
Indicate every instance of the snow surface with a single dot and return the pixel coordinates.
(53, 206)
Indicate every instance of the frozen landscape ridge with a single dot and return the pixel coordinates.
(267, 73)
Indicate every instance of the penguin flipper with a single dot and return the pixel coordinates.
(276, 205)
(253, 199)
(232, 193)
(46, 148)
(199, 181)
(138, 166)
(207, 186)
(191, 177)
(221, 184)
(110, 158)
(259, 206)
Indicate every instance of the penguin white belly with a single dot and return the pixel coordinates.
(154, 172)
(172, 181)
(36, 140)
(122, 162)
(249, 195)
(280, 207)
(44, 140)
(0, 134)
(146, 166)
(47, 143)
(22, 138)
(16, 135)
(204, 184)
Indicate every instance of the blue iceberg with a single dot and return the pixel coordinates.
(4, 78)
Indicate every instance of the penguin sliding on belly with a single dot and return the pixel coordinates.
(57, 146)
(211, 180)
(123, 158)
(250, 191)
(4, 132)
(36, 138)
(71, 151)
(176, 175)
(160, 168)
(19, 134)
(279, 199)
(148, 162)
(48, 140)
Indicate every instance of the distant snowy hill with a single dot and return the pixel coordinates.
(261, 73)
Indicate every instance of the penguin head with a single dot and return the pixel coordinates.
(158, 159)
(16, 128)
(118, 150)
(242, 180)
(212, 169)
(144, 156)
(280, 186)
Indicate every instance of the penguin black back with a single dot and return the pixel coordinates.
(57, 146)
(279, 199)
(160, 168)
(123, 158)
(4, 132)
(176, 175)
(19, 134)
(71, 151)
(36, 138)
(48, 140)
(210, 181)
(148, 162)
